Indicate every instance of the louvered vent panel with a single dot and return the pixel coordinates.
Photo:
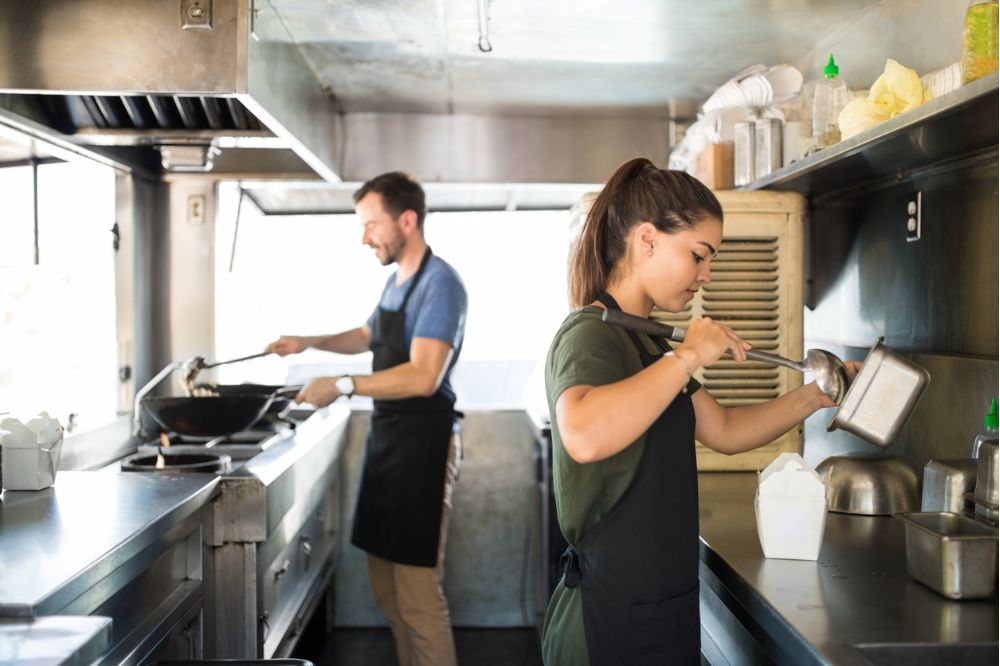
(756, 290)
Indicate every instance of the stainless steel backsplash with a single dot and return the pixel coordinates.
(934, 300)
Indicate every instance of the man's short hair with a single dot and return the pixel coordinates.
(399, 193)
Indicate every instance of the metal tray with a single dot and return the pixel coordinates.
(882, 396)
(953, 555)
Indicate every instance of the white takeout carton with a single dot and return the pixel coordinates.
(30, 452)
(791, 509)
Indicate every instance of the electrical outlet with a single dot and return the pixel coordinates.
(914, 206)
(196, 14)
(196, 209)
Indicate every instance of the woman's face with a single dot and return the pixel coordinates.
(680, 263)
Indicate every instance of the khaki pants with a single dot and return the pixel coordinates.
(412, 598)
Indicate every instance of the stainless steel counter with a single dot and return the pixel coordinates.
(54, 641)
(803, 612)
(58, 543)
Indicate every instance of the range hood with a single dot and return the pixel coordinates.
(182, 85)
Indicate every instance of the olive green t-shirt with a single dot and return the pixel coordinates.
(585, 351)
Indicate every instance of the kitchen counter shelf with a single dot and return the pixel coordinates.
(958, 124)
(792, 611)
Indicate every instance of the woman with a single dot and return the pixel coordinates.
(626, 414)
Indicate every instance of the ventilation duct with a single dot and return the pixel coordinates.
(230, 83)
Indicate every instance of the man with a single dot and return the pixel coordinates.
(411, 455)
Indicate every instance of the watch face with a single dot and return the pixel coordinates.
(345, 385)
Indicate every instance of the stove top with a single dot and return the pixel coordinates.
(239, 446)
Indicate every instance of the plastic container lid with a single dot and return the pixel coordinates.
(831, 70)
(990, 420)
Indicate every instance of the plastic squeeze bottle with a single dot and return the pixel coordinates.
(829, 98)
(990, 434)
(979, 40)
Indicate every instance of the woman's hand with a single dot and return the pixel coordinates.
(709, 341)
(824, 401)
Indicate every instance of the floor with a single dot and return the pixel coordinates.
(374, 647)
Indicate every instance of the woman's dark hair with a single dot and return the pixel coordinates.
(637, 192)
(399, 193)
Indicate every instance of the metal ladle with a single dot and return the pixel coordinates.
(828, 370)
(194, 365)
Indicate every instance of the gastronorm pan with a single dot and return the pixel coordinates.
(881, 398)
(953, 555)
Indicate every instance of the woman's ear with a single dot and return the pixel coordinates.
(645, 238)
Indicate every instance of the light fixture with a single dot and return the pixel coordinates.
(484, 25)
(196, 157)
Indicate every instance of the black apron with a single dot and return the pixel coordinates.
(638, 567)
(398, 516)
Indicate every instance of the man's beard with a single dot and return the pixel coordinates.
(393, 250)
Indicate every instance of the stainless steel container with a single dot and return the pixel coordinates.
(953, 555)
(881, 397)
(869, 484)
(767, 154)
(986, 475)
(743, 153)
(946, 483)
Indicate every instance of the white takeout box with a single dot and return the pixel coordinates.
(30, 452)
(790, 506)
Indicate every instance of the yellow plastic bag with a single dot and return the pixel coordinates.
(896, 91)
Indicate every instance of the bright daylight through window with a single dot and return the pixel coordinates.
(310, 275)
(58, 349)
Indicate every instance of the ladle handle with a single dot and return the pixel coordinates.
(676, 334)
(235, 360)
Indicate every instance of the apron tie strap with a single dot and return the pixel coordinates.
(570, 565)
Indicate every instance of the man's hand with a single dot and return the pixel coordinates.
(320, 392)
(288, 344)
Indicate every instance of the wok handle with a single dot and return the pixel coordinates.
(290, 391)
(676, 334)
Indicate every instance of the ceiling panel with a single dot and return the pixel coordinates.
(568, 56)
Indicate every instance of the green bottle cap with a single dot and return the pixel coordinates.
(990, 420)
(831, 70)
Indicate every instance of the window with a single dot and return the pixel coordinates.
(58, 349)
(306, 275)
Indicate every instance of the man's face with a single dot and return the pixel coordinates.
(382, 233)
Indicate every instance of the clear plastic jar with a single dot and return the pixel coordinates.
(979, 40)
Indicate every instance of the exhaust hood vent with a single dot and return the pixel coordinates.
(72, 113)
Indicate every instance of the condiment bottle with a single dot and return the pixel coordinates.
(979, 40)
(829, 98)
(990, 434)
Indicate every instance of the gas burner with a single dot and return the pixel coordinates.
(182, 462)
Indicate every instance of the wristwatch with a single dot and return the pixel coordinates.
(345, 385)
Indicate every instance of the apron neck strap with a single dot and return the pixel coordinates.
(416, 277)
(608, 301)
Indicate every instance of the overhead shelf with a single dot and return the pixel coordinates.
(960, 123)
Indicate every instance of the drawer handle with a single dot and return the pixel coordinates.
(282, 571)
(306, 550)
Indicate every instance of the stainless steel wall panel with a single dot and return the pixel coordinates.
(492, 149)
(938, 294)
(935, 300)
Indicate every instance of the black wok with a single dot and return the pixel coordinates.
(280, 402)
(212, 416)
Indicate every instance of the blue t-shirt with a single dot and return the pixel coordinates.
(436, 309)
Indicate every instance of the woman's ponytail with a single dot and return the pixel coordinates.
(637, 191)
